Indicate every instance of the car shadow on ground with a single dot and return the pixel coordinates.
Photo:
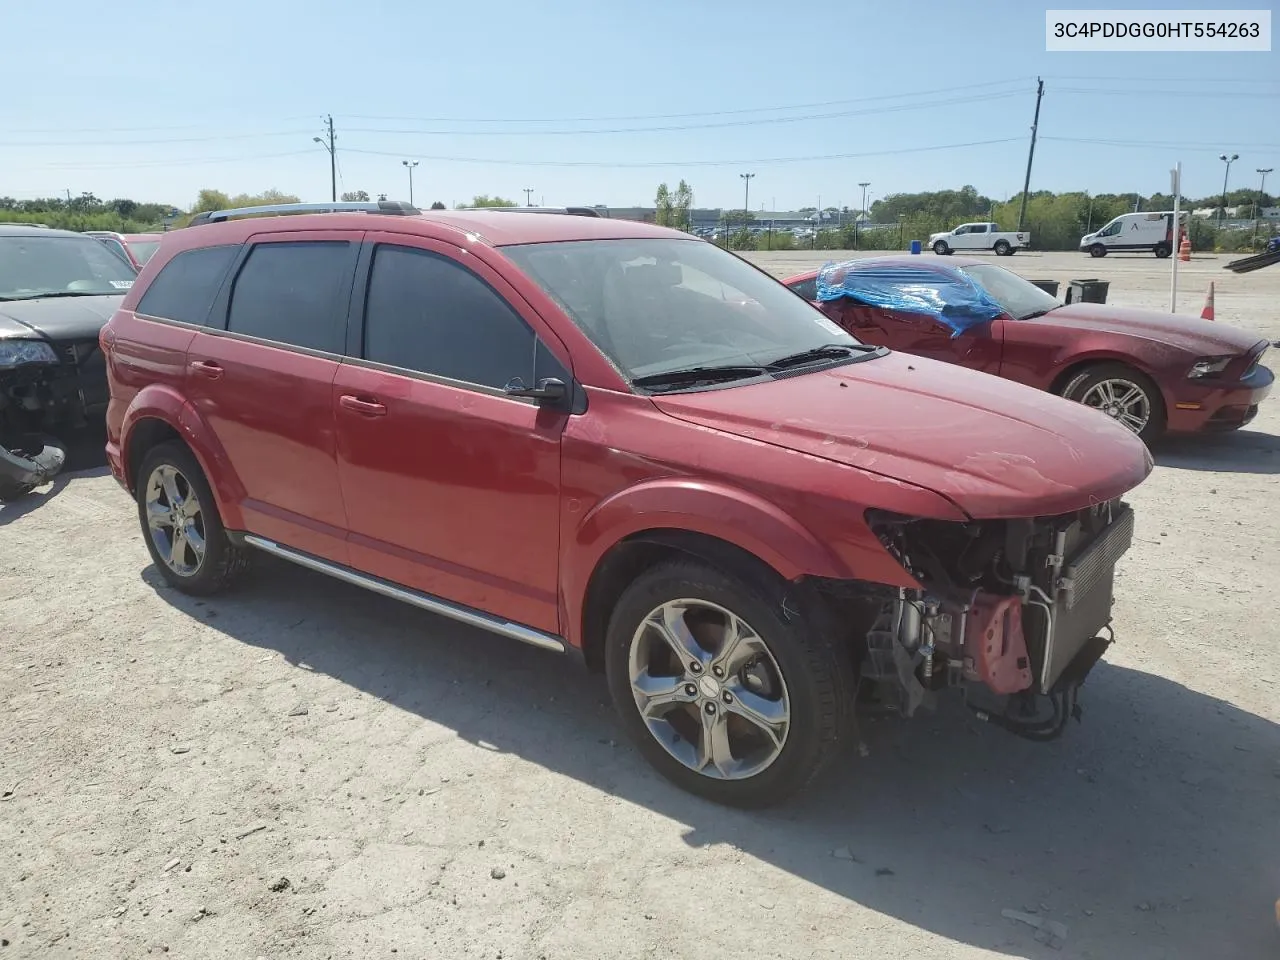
(1242, 451)
(86, 457)
(1149, 829)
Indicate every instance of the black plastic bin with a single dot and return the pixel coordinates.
(1048, 286)
(1088, 291)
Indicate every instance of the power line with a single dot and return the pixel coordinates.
(186, 161)
(687, 116)
(505, 161)
(1165, 144)
(697, 126)
(1196, 79)
(143, 143)
(1200, 94)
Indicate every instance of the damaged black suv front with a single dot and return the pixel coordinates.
(57, 290)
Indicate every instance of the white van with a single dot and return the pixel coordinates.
(1135, 233)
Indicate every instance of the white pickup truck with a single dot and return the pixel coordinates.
(979, 236)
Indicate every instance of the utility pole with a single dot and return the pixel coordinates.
(409, 165)
(1222, 210)
(528, 194)
(862, 213)
(1026, 184)
(746, 199)
(327, 142)
(1257, 207)
(1175, 181)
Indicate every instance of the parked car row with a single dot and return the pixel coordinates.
(622, 444)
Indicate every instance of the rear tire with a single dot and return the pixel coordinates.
(1003, 248)
(941, 248)
(1093, 385)
(181, 525)
(1097, 250)
(1162, 250)
(710, 718)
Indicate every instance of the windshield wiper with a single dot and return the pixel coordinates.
(690, 375)
(828, 351)
(53, 294)
(1036, 313)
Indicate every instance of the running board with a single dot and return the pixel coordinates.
(424, 601)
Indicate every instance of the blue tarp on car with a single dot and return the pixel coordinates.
(949, 296)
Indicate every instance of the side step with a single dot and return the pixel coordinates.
(475, 618)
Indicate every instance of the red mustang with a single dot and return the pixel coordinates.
(1154, 372)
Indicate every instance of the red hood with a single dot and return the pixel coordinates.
(1200, 337)
(995, 448)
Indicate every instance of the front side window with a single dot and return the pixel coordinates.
(656, 306)
(1110, 230)
(428, 313)
(186, 286)
(294, 292)
(55, 266)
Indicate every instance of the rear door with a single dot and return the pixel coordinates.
(261, 376)
(452, 487)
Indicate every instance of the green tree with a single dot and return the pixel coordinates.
(662, 206)
(355, 196)
(437, 206)
(208, 200)
(682, 204)
(484, 200)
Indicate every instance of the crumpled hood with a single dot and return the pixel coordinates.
(1202, 338)
(58, 318)
(995, 448)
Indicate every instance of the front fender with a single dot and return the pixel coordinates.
(163, 403)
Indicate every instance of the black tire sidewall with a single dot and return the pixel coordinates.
(941, 249)
(1079, 384)
(208, 578)
(1097, 251)
(811, 671)
(1002, 248)
(1161, 251)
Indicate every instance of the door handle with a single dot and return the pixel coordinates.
(205, 368)
(366, 408)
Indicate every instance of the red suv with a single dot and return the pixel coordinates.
(615, 441)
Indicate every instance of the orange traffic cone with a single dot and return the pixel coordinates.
(1184, 249)
(1207, 312)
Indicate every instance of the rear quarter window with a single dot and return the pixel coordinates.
(185, 287)
(806, 288)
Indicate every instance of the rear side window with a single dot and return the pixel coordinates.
(806, 288)
(185, 286)
(294, 293)
(427, 313)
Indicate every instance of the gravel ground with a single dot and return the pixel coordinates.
(303, 770)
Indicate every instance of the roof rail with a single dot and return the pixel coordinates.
(390, 207)
(567, 211)
(22, 223)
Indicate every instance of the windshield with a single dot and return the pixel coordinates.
(33, 267)
(143, 249)
(661, 305)
(1020, 299)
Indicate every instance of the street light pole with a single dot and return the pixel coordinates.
(328, 144)
(1257, 209)
(1222, 210)
(746, 197)
(409, 165)
(528, 194)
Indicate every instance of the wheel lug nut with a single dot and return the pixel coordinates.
(711, 708)
(696, 667)
(728, 697)
(690, 690)
(717, 671)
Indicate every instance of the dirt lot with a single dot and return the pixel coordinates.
(303, 770)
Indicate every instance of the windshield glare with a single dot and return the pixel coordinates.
(38, 266)
(1018, 297)
(660, 305)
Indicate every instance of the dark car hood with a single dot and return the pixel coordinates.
(58, 318)
(1201, 337)
(993, 447)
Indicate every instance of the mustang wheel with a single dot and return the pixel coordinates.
(1123, 394)
(724, 691)
(180, 523)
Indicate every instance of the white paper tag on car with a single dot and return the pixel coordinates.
(122, 284)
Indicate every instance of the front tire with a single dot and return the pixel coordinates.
(1162, 250)
(1003, 249)
(1123, 393)
(724, 690)
(1097, 250)
(181, 525)
(941, 248)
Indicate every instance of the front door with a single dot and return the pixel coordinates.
(261, 376)
(451, 486)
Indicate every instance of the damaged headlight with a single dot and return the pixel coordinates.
(16, 353)
(1209, 367)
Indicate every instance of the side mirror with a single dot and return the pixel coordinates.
(549, 390)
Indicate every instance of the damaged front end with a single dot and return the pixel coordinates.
(40, 393)
(1011, 611)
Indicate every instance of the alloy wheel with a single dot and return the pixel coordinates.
(1122, 400)
(175, 520)
(709, 690)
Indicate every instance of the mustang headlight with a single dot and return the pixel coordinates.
(16, 353)
(1209, 367)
